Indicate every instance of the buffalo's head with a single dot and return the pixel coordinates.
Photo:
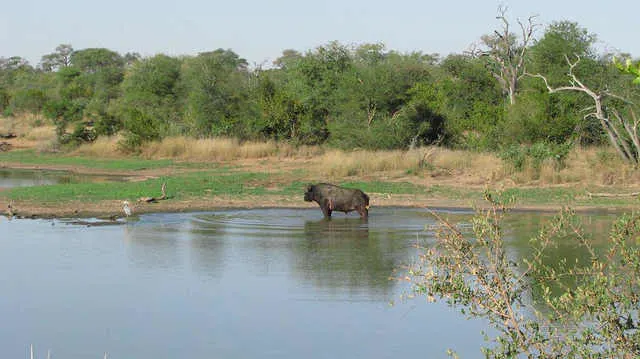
(308, 194)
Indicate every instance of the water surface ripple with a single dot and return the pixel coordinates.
(264, 283)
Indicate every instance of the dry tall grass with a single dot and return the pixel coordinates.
(22, 125)
(40, 134)
(221, 149)
(105, 147)
(189, 149)
(32, 131)
(435, 160)
(478, 167)
(599, 166)
(338, 163)
(586, 166)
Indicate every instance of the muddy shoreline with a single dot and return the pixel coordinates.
(112, 210)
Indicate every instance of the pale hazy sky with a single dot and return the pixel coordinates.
(260, 30)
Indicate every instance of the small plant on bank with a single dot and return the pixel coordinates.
(537, 309)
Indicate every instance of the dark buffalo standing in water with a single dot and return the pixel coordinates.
(334, 198)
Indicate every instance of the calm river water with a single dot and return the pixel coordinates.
(267, 283)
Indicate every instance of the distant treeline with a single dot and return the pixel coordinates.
(344, 96)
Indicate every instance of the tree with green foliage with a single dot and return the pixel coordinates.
(131, 58)
(362, 96)
(543, 117)
(23, 89)
(216, 94)
(615, 114)
(10, 69)
(94, 60)
(102, 70)
(87, 81)
(29, 92)
(4, 99)
(303, 96)
(14, 63)
(560, 39)
(68, 103)
(373, 94)
(282, 110)
(59, 59)
(320, 74)
(462, 100)
(149, 105)
(288, 57)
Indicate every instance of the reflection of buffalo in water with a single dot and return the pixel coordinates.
(345, 257)
(336, 230)
(333, 198)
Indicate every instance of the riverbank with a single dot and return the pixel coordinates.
(112, 209)
(268, 182)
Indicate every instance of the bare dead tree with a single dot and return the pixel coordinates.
(507, 52)
(621, 130)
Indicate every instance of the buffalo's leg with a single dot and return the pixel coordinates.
(326, 207)
(364, 212)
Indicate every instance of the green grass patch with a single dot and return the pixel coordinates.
(454, 193)
(295, 187)
(387, 187)
(31, 157)
(192, 185)
(213, 180)
(555, 196)
(551, 195)
(562, 196)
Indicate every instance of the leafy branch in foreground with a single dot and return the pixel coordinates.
(603, 306)
(534, 311)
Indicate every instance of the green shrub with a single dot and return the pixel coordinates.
(514, 156)
(538, 153)
(518, 156)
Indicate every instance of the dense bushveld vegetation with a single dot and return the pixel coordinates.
(348, 97)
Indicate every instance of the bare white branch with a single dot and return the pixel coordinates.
(622, 142)
(508, 53)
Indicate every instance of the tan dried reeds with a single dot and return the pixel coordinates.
(222, 149)
(586, 166)
(42, 133)
(343, 163)
(105, 147)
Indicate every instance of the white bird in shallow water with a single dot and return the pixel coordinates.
(10, 210)
(126, 208)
